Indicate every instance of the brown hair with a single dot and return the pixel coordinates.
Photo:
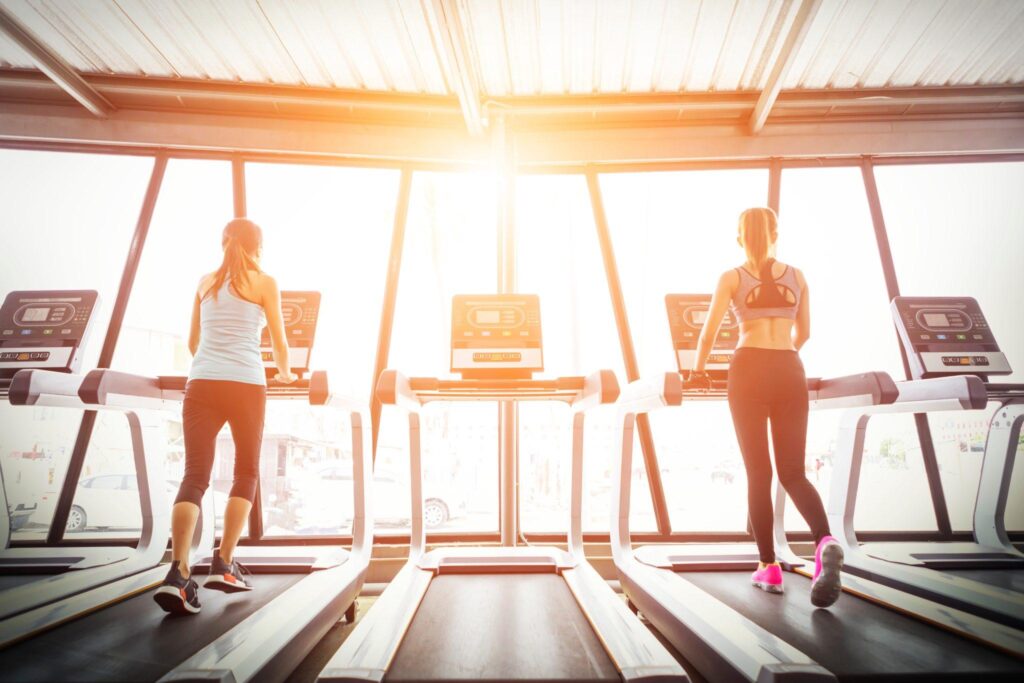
(758, 226)
(241, 240)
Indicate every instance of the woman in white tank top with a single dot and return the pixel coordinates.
(226, 385)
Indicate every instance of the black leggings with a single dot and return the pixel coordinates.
(208, 405)
(765, 384)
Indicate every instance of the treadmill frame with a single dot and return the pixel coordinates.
(720, 642)
(895, 564)
(367, 653)
(40, 605)
(272, 641)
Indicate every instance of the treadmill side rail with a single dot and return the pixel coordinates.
(369, 650)
(638, 655)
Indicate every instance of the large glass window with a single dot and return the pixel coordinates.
(450, 248)
(676, 233)
(955, 230)
(825, 230)
(558, 257)
(326, 229)
(68, 221)
(183, 243)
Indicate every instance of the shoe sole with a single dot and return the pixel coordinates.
(767, 587)
(218, 584)
(170, 600)
(825, 589)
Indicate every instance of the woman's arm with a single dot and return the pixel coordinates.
(716, 313)
(802, 328)
(193, 332)
(270, 299)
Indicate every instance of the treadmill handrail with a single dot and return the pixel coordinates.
(411, 393)
(668, 390)
(112, 388)
(45, 388)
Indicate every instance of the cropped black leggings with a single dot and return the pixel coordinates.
(768, 385)
(210, 403)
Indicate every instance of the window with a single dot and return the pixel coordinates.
(450, 248)
(558, 257)
(675, 233)
(825, 230)
(955, 231)
(48, 202)
(326, 229)
(183, 243)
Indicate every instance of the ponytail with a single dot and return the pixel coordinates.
(241, 240)
(758, 227)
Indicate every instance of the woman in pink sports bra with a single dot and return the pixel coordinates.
(767, 385)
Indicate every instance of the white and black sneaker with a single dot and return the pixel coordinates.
(228, 577)
(177, 594)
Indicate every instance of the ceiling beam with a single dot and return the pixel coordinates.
(790, 47)
(454, 51)
(51, 64)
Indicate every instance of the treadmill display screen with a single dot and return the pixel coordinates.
(35, 315)
(482, 317)
(936, 319)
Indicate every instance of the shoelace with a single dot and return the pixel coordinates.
(242, 571)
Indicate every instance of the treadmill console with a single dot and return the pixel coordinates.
(686, 316)
(496, 336)
(945, 336)
(299, 312)
(45, 329)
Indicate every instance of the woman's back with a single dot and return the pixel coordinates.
(229, 346)
(767, 315)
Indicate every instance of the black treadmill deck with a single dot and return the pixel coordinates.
(858, 640)
(134, 640)
(523, 627)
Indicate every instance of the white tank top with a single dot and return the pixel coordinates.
(229, 339)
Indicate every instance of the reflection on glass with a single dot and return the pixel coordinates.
(48, 202)
(450, 248)
(676, 233)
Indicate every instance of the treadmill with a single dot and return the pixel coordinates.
(700, 598)
(952, 353)
(238, 637)
(41, 337)
(45, 330)
(499, 613)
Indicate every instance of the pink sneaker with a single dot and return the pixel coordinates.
(828, 565)
(768, 579)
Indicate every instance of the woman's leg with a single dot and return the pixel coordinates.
(750, 418)
(201, 421)
(246, 420)
(789, 436)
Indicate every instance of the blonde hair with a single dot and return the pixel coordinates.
(758, 226)
(241, 240)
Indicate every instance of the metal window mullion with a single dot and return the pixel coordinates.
(643, 425)
(508, 436)
(131, 266)
(387, 311)
(924, 434)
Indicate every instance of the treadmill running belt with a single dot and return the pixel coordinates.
(524, 627)
(1007, 579)
(14, 580)
(858, 640)
(134, 640)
